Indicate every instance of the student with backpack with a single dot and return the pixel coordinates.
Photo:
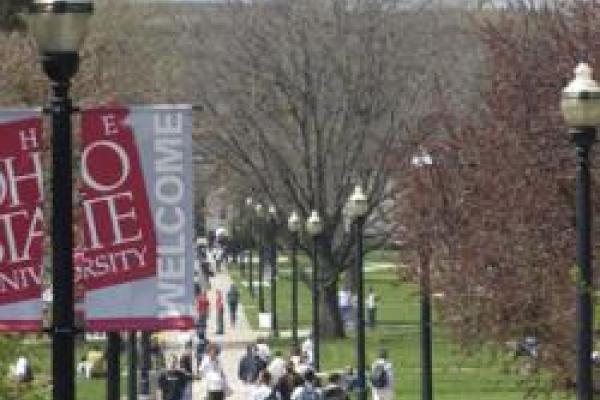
(334, 389)
(309, 390)
(382, 374)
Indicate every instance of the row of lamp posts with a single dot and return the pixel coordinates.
(357, 209)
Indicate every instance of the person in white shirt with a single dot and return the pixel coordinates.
(308, 349)
(277, 367)
(303, 366)
(263, 351)
(212, 372)
(382, 378)
(23, 369)
(344, 298)
(372, 308)
(264, 391)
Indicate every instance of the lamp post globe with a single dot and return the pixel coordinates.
(422, 159)
(358, 204)
(580, 100)
(314, 225)
(294, 223)
(580, 107)
(59, 26)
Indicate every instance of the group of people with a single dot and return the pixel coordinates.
(347, 303)
(293, 378)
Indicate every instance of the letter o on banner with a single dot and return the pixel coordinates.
(164, 194)
(123, 159)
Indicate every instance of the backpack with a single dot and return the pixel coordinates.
(309, 393)
(379, 378)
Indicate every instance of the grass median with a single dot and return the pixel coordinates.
(482, 375)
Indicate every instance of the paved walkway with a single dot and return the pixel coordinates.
(233, 342)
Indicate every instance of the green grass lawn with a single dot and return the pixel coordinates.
(457, 376)
(86, 389)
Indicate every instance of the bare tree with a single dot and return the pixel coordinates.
(306, 98)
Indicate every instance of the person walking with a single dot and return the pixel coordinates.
(263, 352)
(214, 376)
(344, 298)
(308, 349)
(263, 390)
(382, 378)
(174, 382)
(372, 308)
(286, 385)
(309, 390)
(277, 366)
(334, 389)
(233, 298)
(203, 308)
(248, 369)
(220, 310)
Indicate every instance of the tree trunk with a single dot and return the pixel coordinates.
(331, 319)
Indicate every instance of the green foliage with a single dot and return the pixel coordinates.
(10, 18)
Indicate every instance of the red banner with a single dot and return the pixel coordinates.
(120, 244)
(21, 220)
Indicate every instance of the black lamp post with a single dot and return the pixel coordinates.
(251, 243)
(357, 209)
(294, 225)
(581, 110)
(314, 227)
(261, 257)
(59, 28)
(132, 384)
(420, 161)
(146, 365)
(273, 259)
(113, 366)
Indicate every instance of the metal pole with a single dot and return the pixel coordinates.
(60, 68)
(113, 366)
(133, 366)
(295, 289)
(584, 138)
(250, 265)
(426, 359)
(145, 366)
(261, 268)
(274, 327)
(315, 303)
(360, 310)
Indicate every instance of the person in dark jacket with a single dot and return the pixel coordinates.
(334, 390)
(248, 367)
(233, 298)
